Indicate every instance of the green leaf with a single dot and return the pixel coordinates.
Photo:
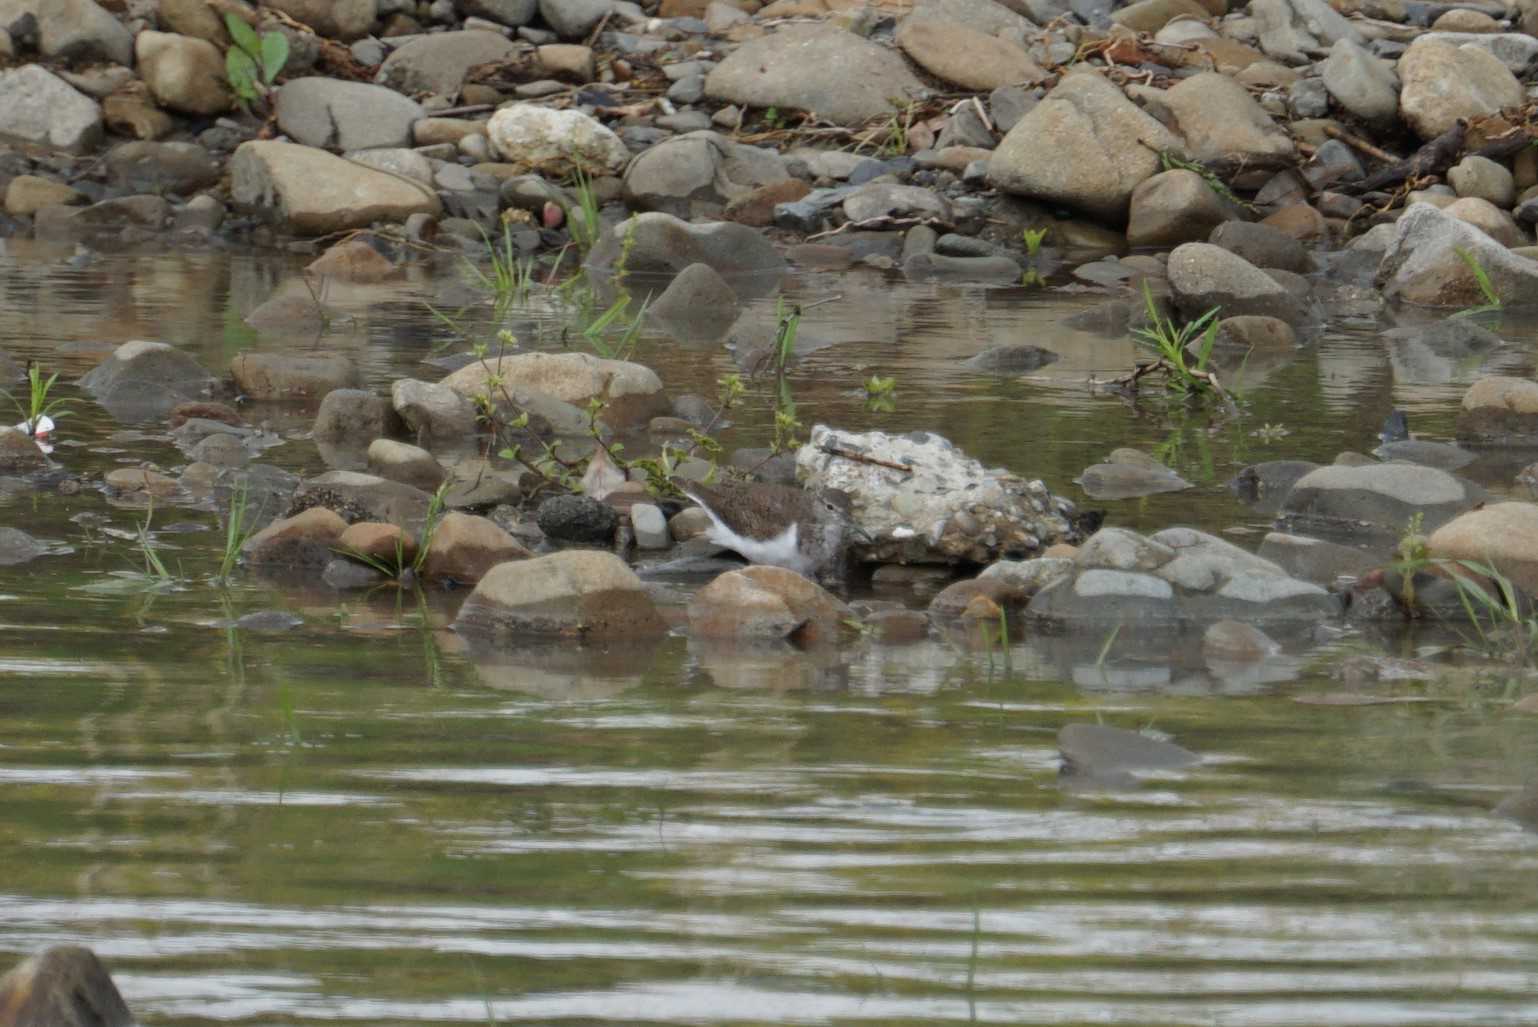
(241, 70)
(243, 35)
(274, 55)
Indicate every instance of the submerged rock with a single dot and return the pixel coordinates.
(302, 542)
(1178, 576)
(921, 500)
(145, 380)
(63, 986)
(1499, 410)
(1373, 504)
(1113, 754)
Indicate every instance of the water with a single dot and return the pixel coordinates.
(359, 821)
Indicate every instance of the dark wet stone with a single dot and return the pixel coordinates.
(64, 986)
(363, 497)
(1372, 504)
(1109, 319)
(1444, 455)
(1263, 246)
(18, 452)
(345, 575)
(969, 269)
(1125, 481)
(1095, 750)
(145, 380)
(354, 415)
(16, 546)
(1316, 560)
(577, 519)
(1456, 338)
(1018, 359)
(1265, 485)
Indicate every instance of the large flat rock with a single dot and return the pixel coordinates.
(311, 192)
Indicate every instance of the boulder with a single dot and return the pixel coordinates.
(352, 260)
(1176, 206)
(699, 174)
(553, 142)
(1263, 245)
(1174, 578)
(401, 461)
(1503, 536)
(37, 106)
(1372, 504)
(1363, 84)
(965, 57)
(632, 394)
(339, 19)
(464, 548)
(1481, 177)
(19, 452)
(1126, 479)
(580, 520)
(151, 167)
(1422, 264)
(28, 194)
(1499, 410)
(1442, 83)
(184, 73)
(1516, 50)
(72, 31)
(839, 75)
(145, 380)
(575, 594)
(355, 496)
(1090, 164)
(573, 19)
(655, 242)
(284, 376)
(345, 115)
(1220, 119)
(766, 603)
(438, 63)
(698, 306)
(311, 192)
(303, 541)
(432, 410)
(1291, 29)
(1203, 276)
(1010, 22)
(947, 509)
(62, 986)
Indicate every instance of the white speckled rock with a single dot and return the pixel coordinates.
(543, 139)
(948, 508)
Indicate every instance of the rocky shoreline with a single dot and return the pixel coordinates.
(1264, 166)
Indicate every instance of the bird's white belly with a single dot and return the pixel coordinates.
(783, 550)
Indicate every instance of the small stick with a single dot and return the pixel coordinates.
(858, 457)
(1356, 142)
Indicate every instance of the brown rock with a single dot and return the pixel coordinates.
(1300, 221)
(28, 194)
(757, 209)
(140, 479)
(577, 593)
(64, 986)
(567, 62)
(388, 544)
(1498, 408)
(288, 377)
(966, 57)
(1501, 535)
(896, 627)
(762, 602)
(352, 260)
(464, 548)
(1233, 641)
(130, 112)
(207, 411)
(956, 598)
(1152, 15)
(18, 452)
(305, 540)
(436, 131)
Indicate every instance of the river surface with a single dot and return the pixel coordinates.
(358, 821)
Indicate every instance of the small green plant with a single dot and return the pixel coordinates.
(880, 394)
(38, 405)
(253, 62)
(1482, 279)
(510, 280)
(1184, 371)
(1033, 239)
(584, 223)
(154, 566)
(1506, 629)
(396, 569)
(1173, 161)
(773, 120)
(235, 533)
